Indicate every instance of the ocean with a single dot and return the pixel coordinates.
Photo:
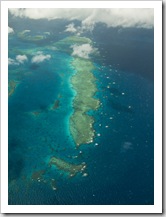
(120, 160)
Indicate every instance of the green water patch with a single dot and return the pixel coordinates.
(81, 124)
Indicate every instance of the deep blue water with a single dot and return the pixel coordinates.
(120, 167)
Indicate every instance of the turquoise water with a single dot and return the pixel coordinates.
(120, 159)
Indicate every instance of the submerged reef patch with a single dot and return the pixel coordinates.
(81, 124)
(35, 113)
(37, 175)
(55, 105)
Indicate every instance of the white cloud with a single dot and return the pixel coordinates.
(25, 31)
(83, 50)
(71, 28)
(40, 57)
(47, 33)
(10, 30)
(124, 17)
(87, 25)
(21, 58)
(12, 62)
(80, 29)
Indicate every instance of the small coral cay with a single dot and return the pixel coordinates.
(11, 87)
(72, 169)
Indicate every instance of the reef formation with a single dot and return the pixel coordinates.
(81, 123)
(72, 169)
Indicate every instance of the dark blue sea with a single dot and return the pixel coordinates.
(120, 161)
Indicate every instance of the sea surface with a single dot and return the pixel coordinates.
(120, 160)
